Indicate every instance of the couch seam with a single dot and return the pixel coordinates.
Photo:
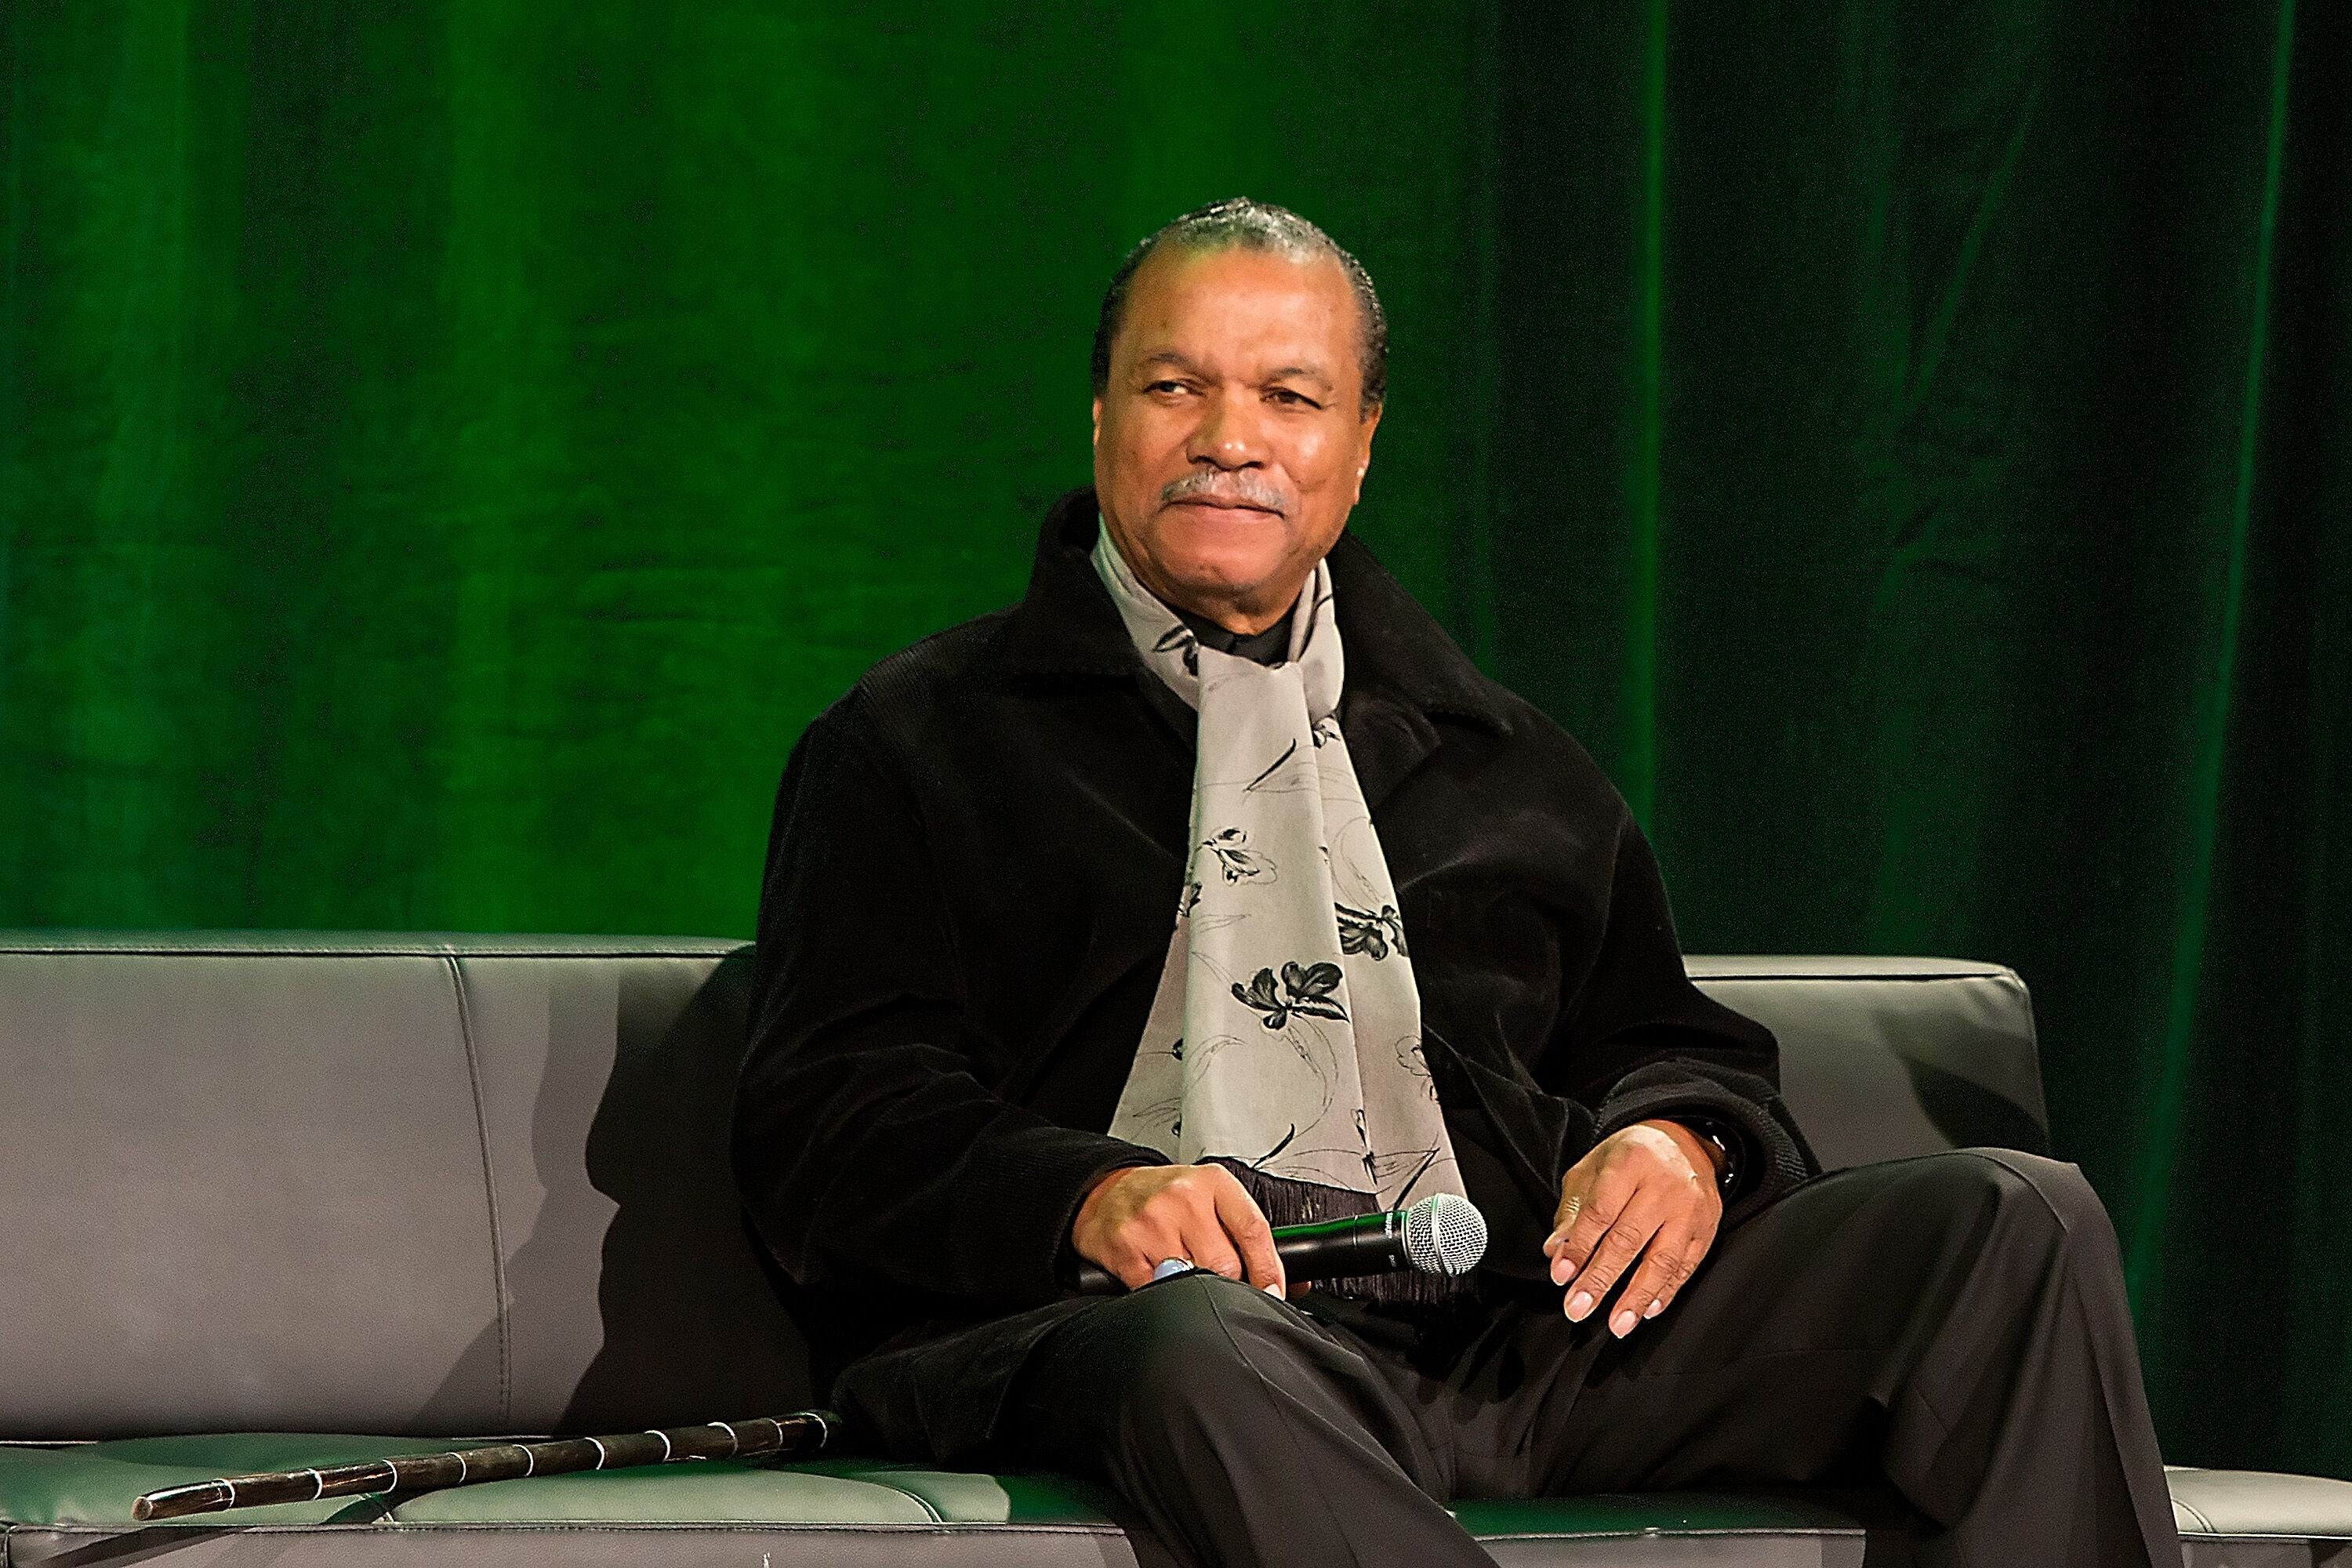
(489, 1187)
(916, 1498)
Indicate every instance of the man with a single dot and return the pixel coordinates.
(1211, 886)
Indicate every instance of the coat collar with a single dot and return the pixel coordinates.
(1398, 656)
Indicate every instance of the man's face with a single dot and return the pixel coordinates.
(1229, 444)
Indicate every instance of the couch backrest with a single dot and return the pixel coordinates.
(1883, 1058)
(475, 1185)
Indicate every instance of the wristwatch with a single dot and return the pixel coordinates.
(1726, 1142)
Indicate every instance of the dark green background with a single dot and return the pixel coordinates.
(447, 452)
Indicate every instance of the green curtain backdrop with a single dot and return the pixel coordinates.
(448, 450)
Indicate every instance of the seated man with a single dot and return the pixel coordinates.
(1211, 886)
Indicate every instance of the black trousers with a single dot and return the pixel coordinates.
(1953, 1325)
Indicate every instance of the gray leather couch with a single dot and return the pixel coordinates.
(402, 1188)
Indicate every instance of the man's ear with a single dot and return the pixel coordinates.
(1097, 436)
(1372, 422)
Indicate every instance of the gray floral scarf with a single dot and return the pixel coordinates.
(1285, 1038)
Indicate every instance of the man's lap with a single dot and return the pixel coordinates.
(1772, 1365)
(1782, 1360)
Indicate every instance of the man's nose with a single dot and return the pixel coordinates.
(1230, 434)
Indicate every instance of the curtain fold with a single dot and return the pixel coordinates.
(447, 452)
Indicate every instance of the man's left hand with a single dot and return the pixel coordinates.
(1644, 1191)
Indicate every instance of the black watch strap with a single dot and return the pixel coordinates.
(1726, 1143)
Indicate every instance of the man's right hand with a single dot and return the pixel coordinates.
(1135, 1218)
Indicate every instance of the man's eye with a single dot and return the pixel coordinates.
(1158, 387)
(1284, 394)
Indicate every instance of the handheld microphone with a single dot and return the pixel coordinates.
(1443, 1233)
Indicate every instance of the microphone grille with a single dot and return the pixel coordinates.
(1445, 1234)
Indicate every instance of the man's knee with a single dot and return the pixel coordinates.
(2025, 1198)
(1177, 1349)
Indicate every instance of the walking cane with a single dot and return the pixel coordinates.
(799, 1435)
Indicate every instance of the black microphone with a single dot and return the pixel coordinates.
(1443, 1233)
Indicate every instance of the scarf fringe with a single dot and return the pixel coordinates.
(1285, 1202)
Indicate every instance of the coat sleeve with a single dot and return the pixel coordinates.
(1637, 1040)
(866, 1139)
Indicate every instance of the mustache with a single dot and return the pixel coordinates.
(1221, 489)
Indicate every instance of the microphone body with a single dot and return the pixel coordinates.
(1440, 1234)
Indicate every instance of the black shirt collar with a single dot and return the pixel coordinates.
(1271, 646)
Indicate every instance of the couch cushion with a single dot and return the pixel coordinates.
(74, 1505)
(393, 1184)
(1885, 1058)
(607, 1088)
(2246, 1518)
(224, 1176)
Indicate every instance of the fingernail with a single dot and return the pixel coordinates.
(1274, 1291)
(1578, 1305)
(1654, 1308)
(1561, 1271)
(1622, 1324)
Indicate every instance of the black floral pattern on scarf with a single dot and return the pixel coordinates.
(1179, 639)
(1235, 858)
(1306, 991)
(1372, 933)
(1268, 771)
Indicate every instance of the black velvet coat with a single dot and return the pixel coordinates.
(970, 889)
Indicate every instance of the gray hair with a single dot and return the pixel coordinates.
(1239, 222)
